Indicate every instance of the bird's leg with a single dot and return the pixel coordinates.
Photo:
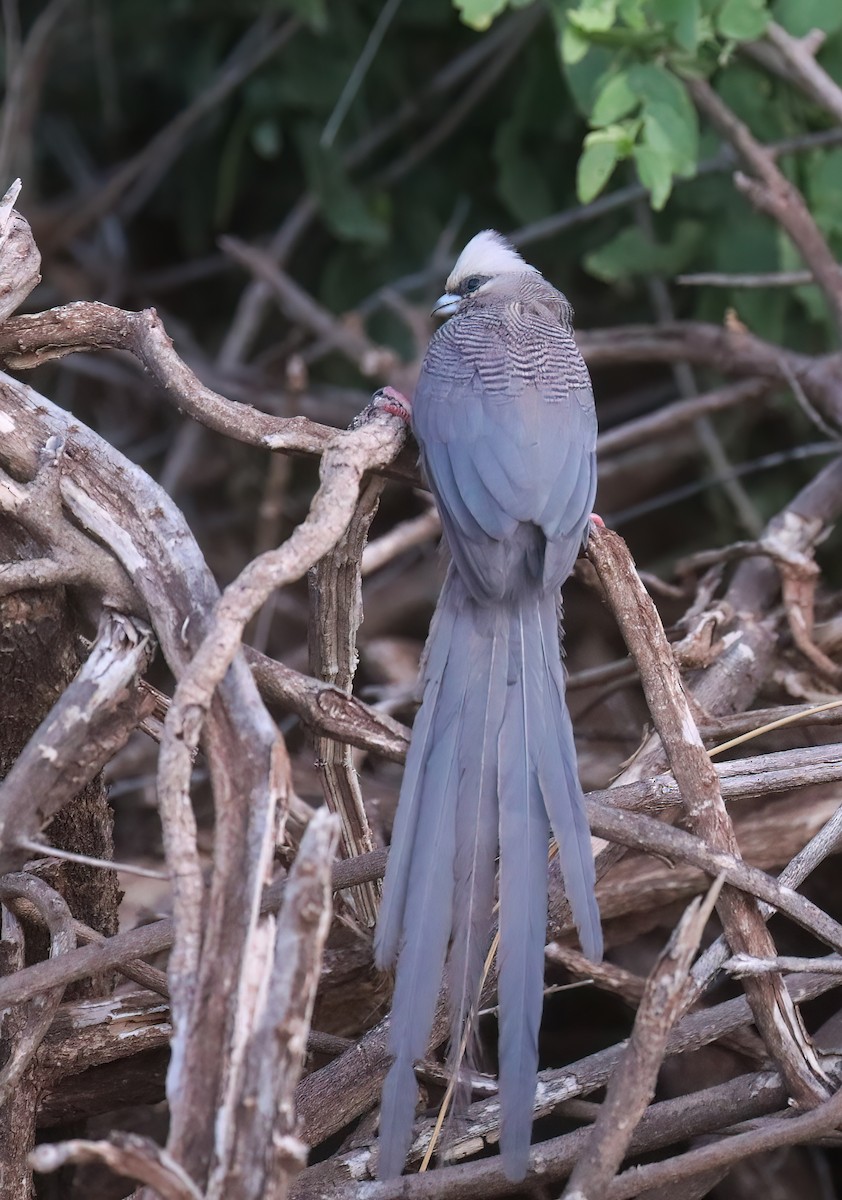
(597, 520)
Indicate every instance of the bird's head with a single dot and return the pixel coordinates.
(484, 262)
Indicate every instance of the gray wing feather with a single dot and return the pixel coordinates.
(529, 460)
(479, 491)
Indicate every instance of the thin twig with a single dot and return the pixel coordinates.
(799, 60)
(336, 613)
(768, 279)
(125, 1154)
(358, 71)
(743, 964)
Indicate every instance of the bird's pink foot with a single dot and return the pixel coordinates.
(390, 400)
(597, 520)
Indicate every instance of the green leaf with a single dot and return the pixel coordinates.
(800, 16)
(632, 252)
(479, 13)
(683, 18)
(670, 134)
(652, 82)
(671, 123)
(823, 187)
(596, 164)
(594, 16)
(614, 100)
(521, 184)
(633, 12)
(573, 45)
(584, 77)
(655, 173)
(742, 20)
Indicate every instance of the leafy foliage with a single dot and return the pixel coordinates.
(630, 56)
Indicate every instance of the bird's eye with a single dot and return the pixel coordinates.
(472, 283)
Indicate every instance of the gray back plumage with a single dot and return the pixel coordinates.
(532, 342)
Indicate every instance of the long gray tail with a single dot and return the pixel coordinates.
(491, 764)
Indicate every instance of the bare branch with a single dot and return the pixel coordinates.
(763, 775)
(123, 508)
(646, 833)
(556, 1087)
(336, 609)
(36, 1019)
(20, 261)
(325, 709)
(373, 361)
(772, 1135)
(405, 536)
(744, 964)
(795, 59)
(125, 1154)
(265, 1153)
(93, 719)
(683, 412)
(373, 443)
(729, 351)
(26, 342)
(764, 280)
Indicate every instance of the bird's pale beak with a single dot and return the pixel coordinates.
(446, 305)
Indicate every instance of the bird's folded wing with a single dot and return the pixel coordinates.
(503, 462)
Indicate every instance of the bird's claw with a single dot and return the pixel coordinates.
(390, 400)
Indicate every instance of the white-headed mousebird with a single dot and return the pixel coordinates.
(504, 416)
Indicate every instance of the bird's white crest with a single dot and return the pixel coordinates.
(487, 253)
